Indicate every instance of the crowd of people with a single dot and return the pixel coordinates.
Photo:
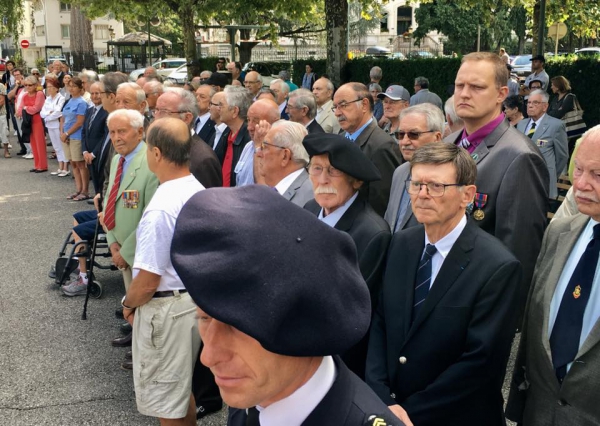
(424, 230)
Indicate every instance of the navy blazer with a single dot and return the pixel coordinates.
(314, 127)
(349, 402)
(447, 367)
(94, 136)
(240, 142)
(207, 131)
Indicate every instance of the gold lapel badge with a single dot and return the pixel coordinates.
(577, 292)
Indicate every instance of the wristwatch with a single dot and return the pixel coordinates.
(123, 303)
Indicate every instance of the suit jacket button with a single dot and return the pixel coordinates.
(393, 395)
(402, 360)
(562, 402)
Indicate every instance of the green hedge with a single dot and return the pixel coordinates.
(441, 72)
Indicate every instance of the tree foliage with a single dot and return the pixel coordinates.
(11, 15)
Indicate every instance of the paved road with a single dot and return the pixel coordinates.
(55, 369)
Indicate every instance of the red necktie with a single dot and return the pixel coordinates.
(109, 214)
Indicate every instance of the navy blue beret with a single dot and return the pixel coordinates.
(252, 259)
(344, 155)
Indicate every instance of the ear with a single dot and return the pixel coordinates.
(468, 194)
(502, 94)
(357, 184)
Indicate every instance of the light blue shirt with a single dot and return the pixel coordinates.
(333, 218)
(129, 157)
(356, 134)
(592, 310)
(244, 168)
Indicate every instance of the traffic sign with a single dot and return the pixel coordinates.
(24, 44)
(557, 30)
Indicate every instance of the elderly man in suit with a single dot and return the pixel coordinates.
(557, 370)
(282, 160)
(419, 125)
(302, 108)
(323, 91)
(281, 91)
(275, 359)
(511, 202)
(337, 170)
(204, 126)
(204, 163)
(423, 95)
(353, 107)
(93, 133)
(549, 134)
(441, 335)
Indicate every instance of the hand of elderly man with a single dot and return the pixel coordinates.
(88, 158)
(401, 414)
(262, 128)
(115, 250)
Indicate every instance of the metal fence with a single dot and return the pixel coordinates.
(288, 53)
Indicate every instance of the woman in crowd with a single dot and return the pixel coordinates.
(513, 107)
(51, 113)
(71, 123)
(31, 105)
(64, 91)
(563, 102)
(309, 77)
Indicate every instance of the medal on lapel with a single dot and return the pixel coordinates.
(577, 292)
(480, 202)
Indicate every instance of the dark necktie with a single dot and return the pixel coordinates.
(197, 127)
(532, 130)
(423, 280)
(252, 417)
(92, 117)
(111, 204)
(564, 339)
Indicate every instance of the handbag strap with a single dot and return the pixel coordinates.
(576, 104)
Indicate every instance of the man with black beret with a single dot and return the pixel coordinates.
(337, 170)
(269, 335)
(217, 80)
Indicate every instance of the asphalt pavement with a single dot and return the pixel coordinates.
(55, 368)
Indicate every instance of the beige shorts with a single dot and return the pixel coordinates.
(165, 346)
(73, 150)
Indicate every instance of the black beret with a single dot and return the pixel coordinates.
(251, 259)
(344, 155)
(216, 79)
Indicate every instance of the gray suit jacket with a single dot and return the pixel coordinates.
(300, 191)
(513, 174)
(536, 397)
(327, 119)
(551, 138)
(423, 96)
(383, 151)
(391, 214)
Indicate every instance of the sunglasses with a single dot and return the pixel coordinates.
(413, 136)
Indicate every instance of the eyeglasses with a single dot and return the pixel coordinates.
(215, 105)
(263, 144)
(535, 103)
(35, 73)
(434, 189)
(413, 136)
(166, 111)
(251, 82)
(29, 85)
(343, 105)
(316, 170)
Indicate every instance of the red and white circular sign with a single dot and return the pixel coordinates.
(24, 44)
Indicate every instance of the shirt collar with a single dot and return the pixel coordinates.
(285, 183)
(538, 121)
(133, 153)
(333, 218)
(356, 134)
(479, 135)
(296, 408)
(282, 107)
(324, 107)
(445, 244)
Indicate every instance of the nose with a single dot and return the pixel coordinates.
(213, 338)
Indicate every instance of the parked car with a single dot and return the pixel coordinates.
(164, 67)
(420, 54)
(263, 68)
(587, 52)
(378, 52)
(398, 56)
(179, 75)
(522, 65)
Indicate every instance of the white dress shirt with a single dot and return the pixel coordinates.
(333, 218)
(443, 247)
(537, 123)
(592, 310)
(202, 119)
(219, 129)
(293, 410)
(285, 183)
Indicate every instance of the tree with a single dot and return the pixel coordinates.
(82, 43)
(11, 13)
(336, 22)
(362, 21)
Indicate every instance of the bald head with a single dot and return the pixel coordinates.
(169, 143)
(263, 109)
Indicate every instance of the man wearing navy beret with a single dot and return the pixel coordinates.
(271, 336)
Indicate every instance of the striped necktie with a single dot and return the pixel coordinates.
(92, 117)
(111, 205)
(423, 280)
(531, 130)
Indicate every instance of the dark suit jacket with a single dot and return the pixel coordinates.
(95, 136)
(349, 402)
(240, 142)
(513, 174)
(314, 127)
(207, 131)
(284, 115)
(401, 174)
(536, 398)
(204, 164)
(446, 368)
(371, 235)
(383, 151)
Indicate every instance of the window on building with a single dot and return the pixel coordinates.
(404, 19)
(65, 31)
(40, 30)
(101, 32)
(65, 7)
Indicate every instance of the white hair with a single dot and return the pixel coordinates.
(290, 135)
(135, 118)
(545, 96)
